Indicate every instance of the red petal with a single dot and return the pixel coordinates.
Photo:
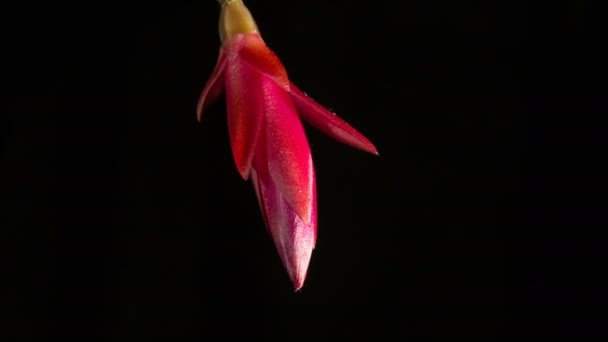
(289, 160)
(255, 52)
(245, 107)
(328, 122)
(214, 87)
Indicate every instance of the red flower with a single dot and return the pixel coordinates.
(268, 141)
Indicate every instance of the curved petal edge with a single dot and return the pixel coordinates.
(214, 87)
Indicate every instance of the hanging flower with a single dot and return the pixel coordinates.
(267, 138)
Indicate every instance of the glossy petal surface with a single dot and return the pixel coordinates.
(254, 51)
(289, 158)
(245, 106)
(294, 239)
(328, 122)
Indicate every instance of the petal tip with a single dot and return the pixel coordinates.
(244, 173)
(328, 122)
(298, 287)
(372, 149)
(296, 258)
(298, 281)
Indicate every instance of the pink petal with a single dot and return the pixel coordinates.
(328, 122)
(293, 238)
(214, 87)
(260, 168)
(245, 107)
(289, 159)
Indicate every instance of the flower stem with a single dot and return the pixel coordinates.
(223, 2)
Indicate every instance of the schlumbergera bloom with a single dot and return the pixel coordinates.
(267, 138)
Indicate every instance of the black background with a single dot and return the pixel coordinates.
(123, 217)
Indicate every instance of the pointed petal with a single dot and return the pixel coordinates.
(214, 87)
(328, 122)
(259, 171)
(289, 160)
(245, 107)
(293, 238)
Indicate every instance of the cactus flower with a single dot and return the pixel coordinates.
(268, 141)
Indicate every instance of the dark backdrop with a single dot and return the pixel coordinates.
(123, 217)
